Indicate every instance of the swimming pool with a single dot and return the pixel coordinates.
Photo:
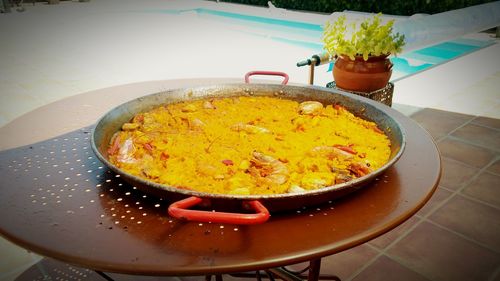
(308, 35)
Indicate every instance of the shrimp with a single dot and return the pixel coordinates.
(130, 126)
(360, 169)
(252, 129)
(208, 105)
(265, 166)
(342, 175)
(330, 152)
(345, 148)
(342, 178)
(196, 124)
(310, 108)
(126, 152)
(114, 144)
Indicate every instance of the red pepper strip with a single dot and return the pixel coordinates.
(376, 129)
(116, 145)
(148, 147)
(227, 162)
(345, 148)
(164, 156)
(140, 118)
(338, 107)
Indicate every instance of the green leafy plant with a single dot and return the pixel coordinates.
(370, 38)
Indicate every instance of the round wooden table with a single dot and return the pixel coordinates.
(59, 201)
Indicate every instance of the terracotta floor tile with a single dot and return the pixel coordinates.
(439, 123)
(383, 241)
(485, 187)
(455, 174)
(474, 220)
(346, 263)
(439, 196)
(495, 167)
(384, 268)
(467, 153)
(497, 277)
(488, 122)
(480, 135)
(441, 255)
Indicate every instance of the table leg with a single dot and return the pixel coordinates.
(314, 269)
(313, 272)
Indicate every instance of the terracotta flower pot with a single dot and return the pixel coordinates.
(360, 75)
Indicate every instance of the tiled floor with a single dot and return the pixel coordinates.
(50, 52)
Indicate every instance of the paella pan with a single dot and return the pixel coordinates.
(295, 196)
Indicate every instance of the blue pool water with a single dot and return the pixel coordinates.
(308, 35)
(264, 20)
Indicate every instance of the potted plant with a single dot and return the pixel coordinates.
(362, 52)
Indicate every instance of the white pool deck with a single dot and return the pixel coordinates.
(50, 52)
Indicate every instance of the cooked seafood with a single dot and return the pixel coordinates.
(249, 145)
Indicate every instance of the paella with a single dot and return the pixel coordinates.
(249, 145)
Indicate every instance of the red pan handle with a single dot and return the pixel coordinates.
(180, 210)
(265, 72)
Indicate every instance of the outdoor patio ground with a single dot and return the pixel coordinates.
(455, 236)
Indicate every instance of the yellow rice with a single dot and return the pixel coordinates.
(211, 146)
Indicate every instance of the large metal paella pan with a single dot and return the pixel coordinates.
(260, 205)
